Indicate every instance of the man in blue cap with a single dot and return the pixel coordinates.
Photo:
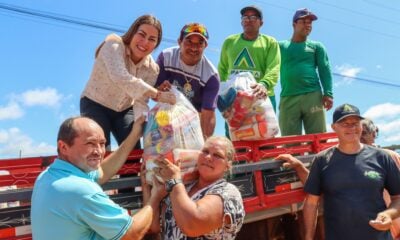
(351, 177)
(302, 99)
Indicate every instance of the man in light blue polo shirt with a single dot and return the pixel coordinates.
(67, 201)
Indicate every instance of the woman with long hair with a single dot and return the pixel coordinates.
(122, 79)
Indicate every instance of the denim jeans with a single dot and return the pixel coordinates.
(117, 123)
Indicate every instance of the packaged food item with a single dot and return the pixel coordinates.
(248, 117)
(188, 163)
(171, 127)
(185, 158)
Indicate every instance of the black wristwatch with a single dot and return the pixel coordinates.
(170, 184)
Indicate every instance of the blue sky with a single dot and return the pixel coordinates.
(45, 63)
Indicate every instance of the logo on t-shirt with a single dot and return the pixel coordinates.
(372, 174)
(244, 60)
(244, 63)
(309, 49)
(256, 74)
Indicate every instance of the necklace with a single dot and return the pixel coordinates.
(187, 87)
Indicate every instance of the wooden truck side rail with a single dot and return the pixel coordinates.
(267, 189)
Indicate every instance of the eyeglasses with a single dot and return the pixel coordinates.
(349, 124)
(251, 18)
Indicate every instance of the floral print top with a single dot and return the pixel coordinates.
(233, 208)
(116, 82)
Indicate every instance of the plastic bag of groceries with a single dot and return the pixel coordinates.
(169, 127)
(248, 117)
(187, 159)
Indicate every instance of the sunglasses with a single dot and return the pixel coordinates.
(196, 28)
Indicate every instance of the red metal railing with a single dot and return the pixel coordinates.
(23, 172)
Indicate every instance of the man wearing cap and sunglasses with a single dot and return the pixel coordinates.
(186, 67)
(302, 101)
(351, 177)
(253, 52)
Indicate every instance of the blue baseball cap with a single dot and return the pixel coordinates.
(345, 110)
(302, 13)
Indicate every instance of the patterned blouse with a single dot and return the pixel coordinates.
(233, 207)
(118, 83)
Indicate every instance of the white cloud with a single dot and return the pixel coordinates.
(11, 111)
(3, 136)
(38, 97)
(13, 143)
(389, 126)
(393, 139)
(378, 66)
(45, 97)
(349, 72)
(384, 110)
(389, 133)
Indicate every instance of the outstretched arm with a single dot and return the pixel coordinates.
(296, 164)
(113, 162)
(143, 219)
(158, 191)
(207, 122)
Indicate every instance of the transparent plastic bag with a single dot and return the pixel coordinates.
(248, 117)
(187, 159)
(169, 127)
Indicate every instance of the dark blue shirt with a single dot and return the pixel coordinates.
(352, 189)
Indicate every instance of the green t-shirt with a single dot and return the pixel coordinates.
(300, 62)
(261, 57)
